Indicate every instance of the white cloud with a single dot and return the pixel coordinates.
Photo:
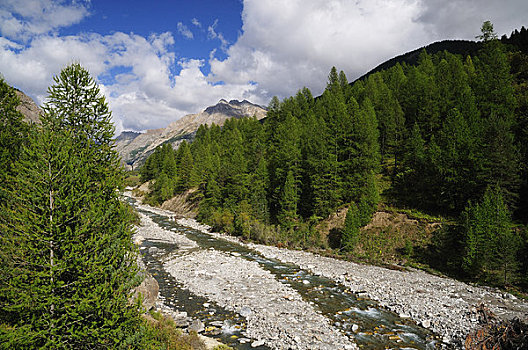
(462, 18)
(22, 19)
(212, 34)
(185, 31)
(288, 45)
(283, 46)
(196, 22)
(143, 95)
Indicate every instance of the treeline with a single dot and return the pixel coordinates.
(444, 133)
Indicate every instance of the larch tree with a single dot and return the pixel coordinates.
(68, 262)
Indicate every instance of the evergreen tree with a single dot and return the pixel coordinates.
(288, 203)
(67, 262)
(487, 32)
(284, 156)
(388, 111)
(410, 179)
(457, 163)
(320, 197)
(490, 243)
(75, 103)
(363, 152)
(186, 174)
(12, 132)
(259, 187)
(350, 234)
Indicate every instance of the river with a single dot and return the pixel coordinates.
(353, 315)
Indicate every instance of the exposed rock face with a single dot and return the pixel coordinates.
(28, 108)
(135, 148)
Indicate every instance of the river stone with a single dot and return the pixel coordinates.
(197, 326)
(355, 328)
(426, 323)
(257, 343)
(245, 312)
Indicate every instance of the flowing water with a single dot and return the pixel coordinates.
(369, 325)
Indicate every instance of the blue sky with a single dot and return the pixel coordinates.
(189, 21)
(158, 60)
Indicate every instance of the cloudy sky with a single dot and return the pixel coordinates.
(159, 60)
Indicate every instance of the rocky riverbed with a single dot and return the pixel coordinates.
(446, 306)
(276, 314)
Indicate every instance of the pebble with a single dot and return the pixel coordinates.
(258, 343)
(197, 326)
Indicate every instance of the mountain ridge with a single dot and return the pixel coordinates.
(134, 147)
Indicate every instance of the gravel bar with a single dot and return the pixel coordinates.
(276, 314)
(446, 306)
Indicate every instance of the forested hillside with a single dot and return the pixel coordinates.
(447, 136)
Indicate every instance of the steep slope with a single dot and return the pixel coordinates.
(134, 148)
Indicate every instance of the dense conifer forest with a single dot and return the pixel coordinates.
(446, 136)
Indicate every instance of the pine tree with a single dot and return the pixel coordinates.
(490, 243)
(410, 178)
(288, 203)
(186, 174)
(68, 262)
(388, 111)
(457, 163)
(350, 234)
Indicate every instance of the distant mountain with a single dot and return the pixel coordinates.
(28, 108)
(134, 147)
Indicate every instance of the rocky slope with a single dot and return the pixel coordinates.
(28, 108)
(134, 148)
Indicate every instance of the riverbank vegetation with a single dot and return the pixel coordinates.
(446, 138)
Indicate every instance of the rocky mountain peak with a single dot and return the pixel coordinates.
(134, 148)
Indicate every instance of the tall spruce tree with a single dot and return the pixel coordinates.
(67, 261)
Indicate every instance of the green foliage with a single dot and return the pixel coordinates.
(288, 203)
(438, 133)
(13, 132)
(159, 332)
(487, 32)
(490, 243)
(67, 261)
(350, 234)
